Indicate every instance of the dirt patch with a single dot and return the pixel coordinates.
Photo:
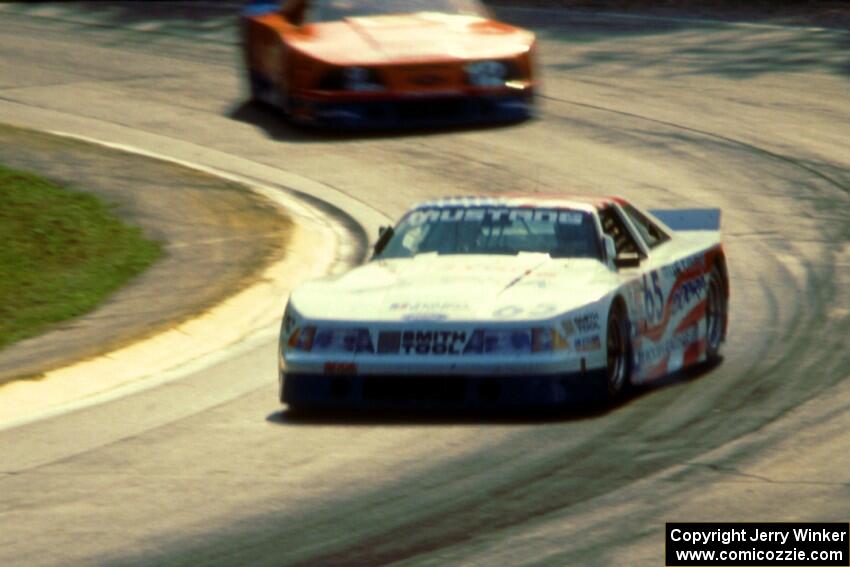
(833, 14)
(217, 236)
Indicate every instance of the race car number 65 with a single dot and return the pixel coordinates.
(653, 299)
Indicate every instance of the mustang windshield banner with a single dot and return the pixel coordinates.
(498, 216)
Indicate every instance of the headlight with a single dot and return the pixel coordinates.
(344, 340)
(302, 339)
(488, 73)
(547, 339)
(517, 341)
(312, 339)
(352, 79)
(494, 342)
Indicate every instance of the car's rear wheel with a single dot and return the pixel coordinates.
(715, 316)
(617, 345)
(258, 86)
(265, 92)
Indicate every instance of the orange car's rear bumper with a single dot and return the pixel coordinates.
(389, 110)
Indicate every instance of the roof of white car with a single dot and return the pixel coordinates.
(576, 202)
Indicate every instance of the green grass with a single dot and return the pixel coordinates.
(62, 252)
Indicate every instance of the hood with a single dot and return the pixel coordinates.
(457, 288)
(423, 37)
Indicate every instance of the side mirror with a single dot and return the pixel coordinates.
(385, 234)
(627, 260)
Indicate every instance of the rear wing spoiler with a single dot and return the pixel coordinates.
(689, 219)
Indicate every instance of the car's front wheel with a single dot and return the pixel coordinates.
(617, 345)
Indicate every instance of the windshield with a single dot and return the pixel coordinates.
(560, 233)
(334, 10)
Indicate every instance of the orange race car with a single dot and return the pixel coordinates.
(388, 63)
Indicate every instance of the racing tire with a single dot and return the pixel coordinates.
(266, 93)
(259, 88)
(618, 369)
(715, 316)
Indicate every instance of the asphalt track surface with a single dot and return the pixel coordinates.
(208, 469)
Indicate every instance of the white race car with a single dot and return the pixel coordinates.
(511, 301)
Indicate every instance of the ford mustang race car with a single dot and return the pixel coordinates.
(387, 63)
(510, 301)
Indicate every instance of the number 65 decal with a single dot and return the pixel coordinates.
(653, 299)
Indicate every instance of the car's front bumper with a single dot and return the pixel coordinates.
(413, 112)
(421, 391)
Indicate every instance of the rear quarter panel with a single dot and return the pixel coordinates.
(266, 46)
(668, 302)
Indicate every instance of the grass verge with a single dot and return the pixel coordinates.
(62, 252)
